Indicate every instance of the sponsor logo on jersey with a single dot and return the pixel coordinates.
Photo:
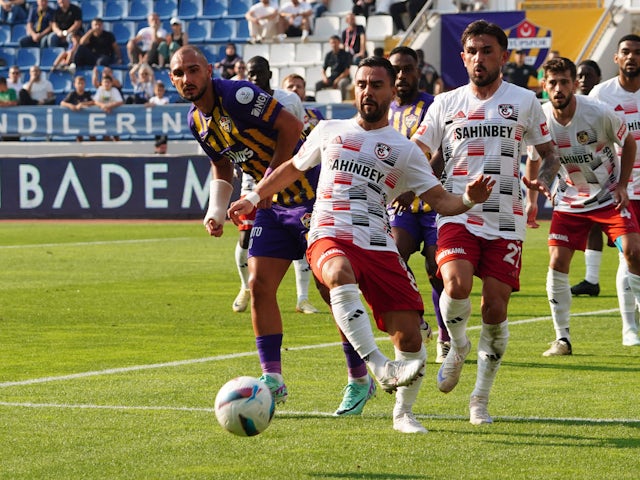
(244, 95)
(557, 236)
(259, 105)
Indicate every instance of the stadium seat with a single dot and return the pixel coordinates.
(114, 10)
(61, 81)
(18, 31)
(5, 35)
(242, 31)
(127, 86)
(166, 9)
(360, 20)
(8, 54)
(308, 54)
(199, 31)
(212, 51)
(48, 56)
(379, 27)
(223, 30)
(190, 9)
(281, 54)
(326, 26)
(87, 73)
(26, 57)
(257, 50)
(215, 9)
(285, 71)
(163, 74)
(140, 10)
(238, 8)
(329, 95)
(340, 7)
(91, 9)
(123, 31)
(312, 76)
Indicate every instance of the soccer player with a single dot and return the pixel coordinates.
(622, 93)
(482, 128)
(364, 161)
(592, 188)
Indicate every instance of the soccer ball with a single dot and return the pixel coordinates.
(244, 406)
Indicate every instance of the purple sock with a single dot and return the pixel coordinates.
(269, 352)
(356, 368)
(443, 334)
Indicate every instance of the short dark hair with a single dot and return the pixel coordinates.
(560, 65)
(372, 62)
(632, 37)
(593, 64)
(482, 27)
(404, 50)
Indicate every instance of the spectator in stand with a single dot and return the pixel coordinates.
(354, 39)
(295, 20)
(263, 21)
(38, 90)
(78, 99)
(228, 63)
(64, 61)
(175, 39)
(98, 47)
(143, 81)
(518, 72)
(335, 70)
(108, 98)
(67, 19)
(430, 81)
(13, 11)
(99, 71)
(240, 69)
(144, 47)
(159, 98)
(319, 7)
(38, 25)
(15, 79)
(398, 9)
(364, 7)
(8, 96)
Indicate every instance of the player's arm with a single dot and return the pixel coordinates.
(627, 158)
(289, 128)
(284, 175)
(220, 190)
(547, 171)
(531, 170)
(446, 203)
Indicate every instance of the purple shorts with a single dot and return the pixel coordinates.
(421, 226)
(280, 232)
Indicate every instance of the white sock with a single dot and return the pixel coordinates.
(242, 263)
(559, 296)
(626, 299)
(406, 396)
(491, 348)
(351, 316)
(592, 260)
(634, 284)
(455, 314)
(303, 276)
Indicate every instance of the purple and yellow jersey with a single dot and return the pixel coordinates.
(240, 129)
(406, 119)
(311, 118)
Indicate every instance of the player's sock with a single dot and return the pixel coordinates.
(491, 347)
(303, 276)
(626, 298)
(356, 368)
(592, 261)
(559, 296)
(456, 314)
(406, 396)
(242, 264)
(269, 347)
(443, 333)
(351, 317)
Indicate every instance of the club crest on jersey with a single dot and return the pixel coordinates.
(506, 111)
(225, 124)
(306, 220)
(382, 151)
(582, 137)
(410, 120)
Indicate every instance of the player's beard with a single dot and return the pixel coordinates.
(195, 97)
(563, 105)
(489, 78)
(631, 73)
(375, 115)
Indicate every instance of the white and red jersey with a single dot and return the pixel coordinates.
(627, 105)
(486, 137)
(361, 171)
(589, 167)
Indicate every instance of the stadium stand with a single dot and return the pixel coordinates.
(190, 9)
(199, 31)
(140, 9)
(18, 31)
(91, 9)
(166, 9)
(215, 9)
(26, 57)
(238, 8)
(48, 56)
(115, 10)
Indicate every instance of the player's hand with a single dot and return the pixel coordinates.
(532, 213)
(402, 202)
(214, 229)
(537, 185)
(480, 189)
(237, 208)
(621, 197)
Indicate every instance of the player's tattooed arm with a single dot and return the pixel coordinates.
(550, 163)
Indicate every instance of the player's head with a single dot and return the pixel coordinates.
(259, 72)
(295, 83)
(190, 72)
(588, 75)
(559, 81)
(374, 89)
(405, 63)
(484, 52)
(627, 57)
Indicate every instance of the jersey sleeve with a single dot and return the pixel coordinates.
(537, 129)
(310, 153)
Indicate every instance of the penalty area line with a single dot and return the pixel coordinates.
(180, 363)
